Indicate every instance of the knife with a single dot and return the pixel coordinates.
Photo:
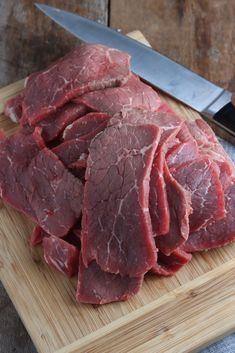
(211, 101)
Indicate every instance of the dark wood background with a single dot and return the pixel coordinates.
(197, 33)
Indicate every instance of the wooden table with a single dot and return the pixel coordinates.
(197, 33)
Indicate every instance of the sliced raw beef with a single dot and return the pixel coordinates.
(72, 151)
(182, 149)
(36, 183)
(169, 123)
(163, 118)
(201, 178)
(16, 153)
(13, 108)
(96, 286)
(169, 265)
(116, 225)
(86, 127)
(134, 94)
(184, 152)
(179, 201)
(218, 233)
(209, 146)
(55, 124)
(55, 194)
(61, 255)
(37, 236)
(87, 68)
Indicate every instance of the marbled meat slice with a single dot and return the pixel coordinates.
(209, 146)
(86, 68)
(181, 149)
(35, 182)
(133, 94)
(61, 255)
(13, 108)
(116, 225)
(170, 124)
(179, 201)
(55, 124)
(96, 286)
(86, 127)
(72, 151)
(169, 265)
(16, 153)
(55, 194)
(219, 233)
(201, 178)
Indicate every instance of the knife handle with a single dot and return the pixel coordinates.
(226, 116)
(222, 120)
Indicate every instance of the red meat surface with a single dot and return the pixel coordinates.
(133, 94)
(86, 127)
(96, 286)
(169, 265)
(87, 68)
(61, 255)
(179, 201)
(118, 234)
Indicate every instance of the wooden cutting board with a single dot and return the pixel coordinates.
(177, 314)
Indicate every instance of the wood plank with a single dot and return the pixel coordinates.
(199, 34)
(45, 299)
(176, 333)
(31, 41)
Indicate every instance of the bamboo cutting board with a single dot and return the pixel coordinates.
(176, 314)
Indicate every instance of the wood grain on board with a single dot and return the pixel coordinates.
(199, 34)
(29, 41)
(180, 313)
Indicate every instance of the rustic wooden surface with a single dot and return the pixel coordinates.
(197, 33)
(29, 41)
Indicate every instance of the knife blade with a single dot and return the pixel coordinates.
(212, 101)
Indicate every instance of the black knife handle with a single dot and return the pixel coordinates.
(226, 116)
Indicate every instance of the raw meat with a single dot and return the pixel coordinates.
(169, 265)
(72, 151)
(169, 123)
(116, 225)
(201, 178)
(35, 182)
(16, 153)
(117, 184)
(87, 127)
(182, 149)
(179, 201)
(96, 286)
(55, 194)
(61, 255)
(133, 94)
(54, 124)
(13, 108)
(87, 68)
(218, 233)
(209, 146)
(37, 236)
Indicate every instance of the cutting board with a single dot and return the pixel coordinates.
(176, 314)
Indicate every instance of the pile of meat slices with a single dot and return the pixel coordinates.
(117, 183)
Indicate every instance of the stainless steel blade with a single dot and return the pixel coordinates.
(164, 73)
